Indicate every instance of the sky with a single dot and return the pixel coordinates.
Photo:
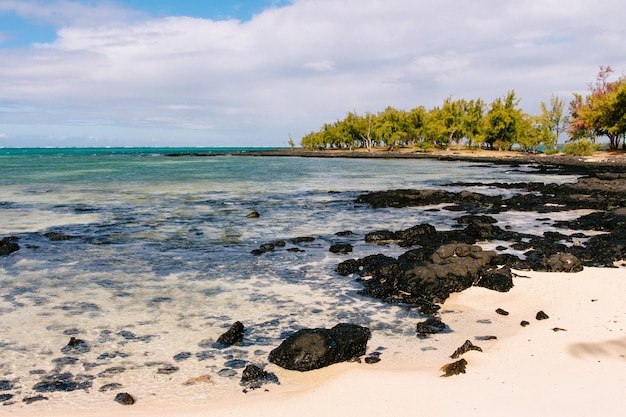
(259, 72)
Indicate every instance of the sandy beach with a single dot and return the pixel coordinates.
(571, 364)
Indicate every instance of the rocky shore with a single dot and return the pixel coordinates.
(438, 264)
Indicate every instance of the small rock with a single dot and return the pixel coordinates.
(76, 345)
(254, 376)
(8, 246)
(341, 248)
(253, 215)
(502, 312)
(489, 337)
(558, 329)
(30, 400)
(524, 323)
(206, 379)
(431, 326)
(454, 368)
(372, 359)
(124, 398)
(541, 316)
(465, 347)
(168, 369)
(234, 335)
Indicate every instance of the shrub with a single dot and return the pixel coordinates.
(424, 146)
(581, 147)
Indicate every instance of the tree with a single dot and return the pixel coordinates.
(503, 122)
(391, 127)
(602, 112)
(552, 122)
(474, 121)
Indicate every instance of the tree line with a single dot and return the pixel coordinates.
(500, 124)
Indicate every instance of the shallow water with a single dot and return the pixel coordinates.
(159, 263)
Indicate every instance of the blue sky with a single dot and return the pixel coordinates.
(252, 73)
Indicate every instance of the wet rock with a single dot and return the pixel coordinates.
(253, 215)
(431, 325)
(464, 348)
(423, 277)
(55, 236)
(345, 233)
(302, 239)
(564, 262)
(8, 245)
(76, 346)
(372, 359)
(497, 279)
(381, 237)
(502, 312)
(541, 315)
(309, 349)
(124, 398)
(454, 368)
(254, 377)
(234, 335)
(341, 248)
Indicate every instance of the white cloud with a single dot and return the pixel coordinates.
(290, 69)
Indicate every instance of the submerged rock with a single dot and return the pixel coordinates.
(309, 349)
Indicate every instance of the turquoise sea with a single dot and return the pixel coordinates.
(147, 258)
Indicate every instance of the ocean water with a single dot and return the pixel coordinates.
(159, 262)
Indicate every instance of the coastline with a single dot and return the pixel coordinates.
(600, 159)
(526, 370)
(532, 370)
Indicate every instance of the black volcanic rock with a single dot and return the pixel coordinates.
(254, 377)
(233, 336)
(309, 349)
(8, 245)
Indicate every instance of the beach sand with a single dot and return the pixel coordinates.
(534, 370)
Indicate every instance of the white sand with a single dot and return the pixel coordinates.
(527, 371)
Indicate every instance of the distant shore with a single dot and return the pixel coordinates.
(599, 159)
